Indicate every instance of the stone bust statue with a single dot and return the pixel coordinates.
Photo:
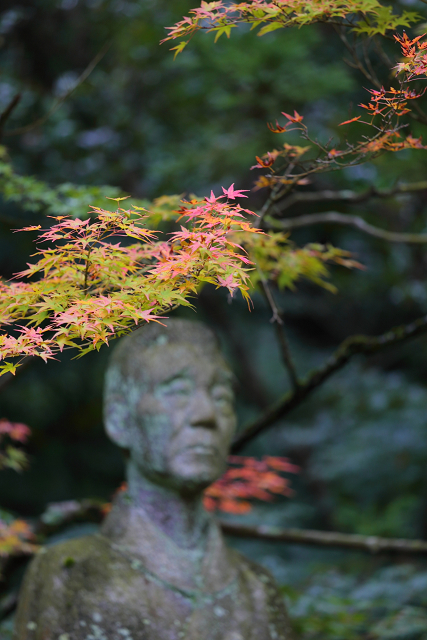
(159, 568)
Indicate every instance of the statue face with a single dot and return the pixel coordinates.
(182, 417)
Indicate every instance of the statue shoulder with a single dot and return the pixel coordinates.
(266, 596)
(64, 555)
(49, 574)
(254, 570)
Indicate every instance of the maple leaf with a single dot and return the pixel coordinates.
(232, 194)
(277, 129)
(348, 121)
(295, 118)
(212, 199)
(179, 48)
(263, 164)
(31, 228)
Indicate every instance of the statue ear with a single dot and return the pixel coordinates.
(117, 420)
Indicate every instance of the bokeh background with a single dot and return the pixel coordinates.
(151, 126)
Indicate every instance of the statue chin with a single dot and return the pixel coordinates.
(194, 479)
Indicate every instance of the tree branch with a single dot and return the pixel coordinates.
(277, 320)
(86, 73)
(356, 64)
(8, 111)
(62, 514)
(346, 195)
(372, 544)
(351, 346)
(334, 217)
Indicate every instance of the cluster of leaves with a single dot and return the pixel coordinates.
(16, 538)
(416, 57)
(278, 260)
(11, 457)
(362, 16)
(93, 288)
(294, 165)
(248, 479)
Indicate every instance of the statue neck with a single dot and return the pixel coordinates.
(181, 518)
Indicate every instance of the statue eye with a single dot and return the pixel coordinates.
(178, 387)
(222, 395)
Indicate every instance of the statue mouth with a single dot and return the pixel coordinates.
(203, 449)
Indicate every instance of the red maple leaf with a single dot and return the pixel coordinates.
(348, 121)
(295, 118)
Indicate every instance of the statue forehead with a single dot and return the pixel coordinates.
(155, 354)
(162, 363)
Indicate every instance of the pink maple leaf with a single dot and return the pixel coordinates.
(212, 198)
(232, 194)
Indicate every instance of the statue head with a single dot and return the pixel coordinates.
(169, 402)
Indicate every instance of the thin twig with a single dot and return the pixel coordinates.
(333, 217)
(356, 64)
(382, 54)
(86, 73)
(365, 45)
(346, 195)
(372, 544)
(353, 345)
(277, 320)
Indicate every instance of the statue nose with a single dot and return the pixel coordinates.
(203, 411)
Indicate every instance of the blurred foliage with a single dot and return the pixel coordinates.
(390, 604)
(149, 126)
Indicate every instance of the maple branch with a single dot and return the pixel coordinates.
(372, 544)
(86, 73)
(382, 54)
(345, 195)
(277, 320)
(276, 193)
(356, 64)
(358, 344)
(333, 217)
(8, 111)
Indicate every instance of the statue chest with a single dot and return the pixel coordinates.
(130, 604)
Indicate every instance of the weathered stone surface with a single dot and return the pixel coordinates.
(159, 569)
